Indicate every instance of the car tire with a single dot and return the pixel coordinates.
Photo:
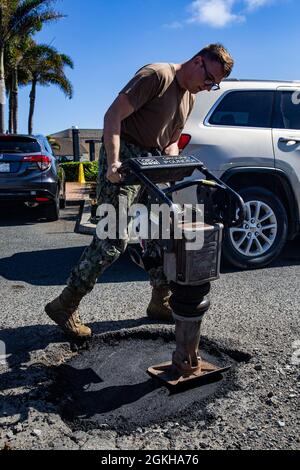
(263, 235)
(52, 211)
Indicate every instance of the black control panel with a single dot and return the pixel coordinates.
(165, 161)
(161, 169)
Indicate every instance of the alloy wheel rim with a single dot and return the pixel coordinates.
(259, 230)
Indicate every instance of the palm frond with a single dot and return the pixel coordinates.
(58, 79)
(29, 16)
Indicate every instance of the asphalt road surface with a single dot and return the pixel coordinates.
(253, 322)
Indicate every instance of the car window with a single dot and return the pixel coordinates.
(244, 108)
(287, 111)
(48, 146)
(9, 145)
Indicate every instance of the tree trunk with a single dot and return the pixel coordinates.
(32, 104)
(15, 100)
(2, 90)
(10, 113)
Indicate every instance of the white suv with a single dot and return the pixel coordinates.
(248, 134)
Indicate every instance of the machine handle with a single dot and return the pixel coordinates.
(188, 184)
(239, 201)
(162, 195)
(241, 216)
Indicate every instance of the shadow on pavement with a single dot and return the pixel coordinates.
(17, 214)
(76, 382)
(34, 377)
(21, 341)
(52, 267)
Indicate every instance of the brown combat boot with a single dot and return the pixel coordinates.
(159, 308)
(63, 311)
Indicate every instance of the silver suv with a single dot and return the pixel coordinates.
(248, 134)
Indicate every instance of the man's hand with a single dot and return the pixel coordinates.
(172, 150)
(112, 172)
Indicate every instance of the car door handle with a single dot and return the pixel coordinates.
(286, 140)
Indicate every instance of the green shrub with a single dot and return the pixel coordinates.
(71, 170)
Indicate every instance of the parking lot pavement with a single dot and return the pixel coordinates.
(254, 319)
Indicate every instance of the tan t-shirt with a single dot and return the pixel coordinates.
(161, 107)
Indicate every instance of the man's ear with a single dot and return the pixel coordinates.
(198, 60)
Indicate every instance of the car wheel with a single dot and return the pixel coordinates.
(263, 235)
(52, 211)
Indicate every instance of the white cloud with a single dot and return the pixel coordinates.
(222, 13)
(215, 13)
(254, 4)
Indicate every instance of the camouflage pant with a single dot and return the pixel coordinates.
(102, 253)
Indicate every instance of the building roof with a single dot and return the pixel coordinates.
(83, 133)
(64, 139)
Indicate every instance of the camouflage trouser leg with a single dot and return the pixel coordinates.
(102, 253)
(156, 274)
(157, 277)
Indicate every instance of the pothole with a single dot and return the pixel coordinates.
(107, 386)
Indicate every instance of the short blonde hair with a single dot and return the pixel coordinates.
(218, 53)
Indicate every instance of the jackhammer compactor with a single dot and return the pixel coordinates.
(188, 269)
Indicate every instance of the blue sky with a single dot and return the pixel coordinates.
(109, 41)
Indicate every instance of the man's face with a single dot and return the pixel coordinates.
(203, 73)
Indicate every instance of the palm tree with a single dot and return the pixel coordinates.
(46, 67)
(15, 74)
(18, 19)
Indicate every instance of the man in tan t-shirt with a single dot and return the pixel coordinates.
(147, 116)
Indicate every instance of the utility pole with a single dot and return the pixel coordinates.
(76, 147)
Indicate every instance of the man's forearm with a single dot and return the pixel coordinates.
(119, 110)
(111, 136)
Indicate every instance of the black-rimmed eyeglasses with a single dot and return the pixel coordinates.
(209, 80)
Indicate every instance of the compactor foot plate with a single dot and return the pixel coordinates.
(172, 376)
